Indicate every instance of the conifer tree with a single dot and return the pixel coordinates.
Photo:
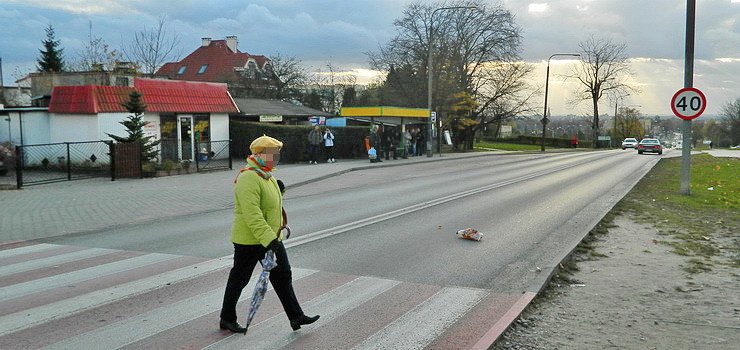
(135, 127)
(51, 57)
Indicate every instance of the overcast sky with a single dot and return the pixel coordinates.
(339, 32)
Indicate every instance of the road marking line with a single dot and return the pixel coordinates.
(27, 249)
(53, 260)
(275, 333)
(70, 278)
(426, 322)
(45, 313)
(158, 320)
(310, 237)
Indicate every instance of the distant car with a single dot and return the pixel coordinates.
(629, 142)
(649, 145)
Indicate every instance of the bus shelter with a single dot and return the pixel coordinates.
(386, 115)
(394, 120)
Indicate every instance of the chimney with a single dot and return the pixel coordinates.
(231, 42)
(205, 41)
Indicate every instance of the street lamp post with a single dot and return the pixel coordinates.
(429, 72)
(547, 80)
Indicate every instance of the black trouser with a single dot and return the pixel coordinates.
(329, 152)
(313, 153)
(281, 278)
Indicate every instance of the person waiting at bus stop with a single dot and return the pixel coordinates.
(258, 218)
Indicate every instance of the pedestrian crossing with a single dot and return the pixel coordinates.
(65, 297)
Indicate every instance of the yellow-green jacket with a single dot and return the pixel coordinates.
(258, 207)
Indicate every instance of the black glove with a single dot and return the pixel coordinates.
(281, 185)
(274, 246)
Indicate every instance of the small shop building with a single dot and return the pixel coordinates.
(185, 116)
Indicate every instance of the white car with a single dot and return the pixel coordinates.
(629, 142)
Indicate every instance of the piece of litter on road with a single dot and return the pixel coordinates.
(470, 234)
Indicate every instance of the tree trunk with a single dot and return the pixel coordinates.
(595, 127)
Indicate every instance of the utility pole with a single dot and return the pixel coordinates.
(688, 82)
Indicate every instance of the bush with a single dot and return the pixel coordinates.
(537, 140)
(349, 142)
(7, 154)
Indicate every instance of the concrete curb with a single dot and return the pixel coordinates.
(366, 167)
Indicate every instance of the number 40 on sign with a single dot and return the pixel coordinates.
(688, 103)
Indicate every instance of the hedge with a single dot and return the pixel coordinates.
(537, 140)
(349, 142)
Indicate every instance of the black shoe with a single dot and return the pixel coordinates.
(296, 324)
(232, 326)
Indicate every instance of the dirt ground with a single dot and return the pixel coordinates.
(637, 296)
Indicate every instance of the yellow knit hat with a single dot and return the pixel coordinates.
(262, 142)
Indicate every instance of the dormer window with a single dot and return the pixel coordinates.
(181, 71)
(202, 69)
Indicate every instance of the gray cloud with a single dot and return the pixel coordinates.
(340, 32)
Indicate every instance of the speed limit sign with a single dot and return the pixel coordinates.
(688, 103)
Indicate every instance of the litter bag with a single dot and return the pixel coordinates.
(372, 153)
(470, 234)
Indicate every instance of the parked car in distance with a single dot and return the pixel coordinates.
(649, 145)
(629, 142)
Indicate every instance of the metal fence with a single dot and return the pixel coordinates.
(213, 155)
(66, 161)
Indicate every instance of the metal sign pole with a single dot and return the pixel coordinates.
(688, 82)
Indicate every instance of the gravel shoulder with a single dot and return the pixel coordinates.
(637, 296)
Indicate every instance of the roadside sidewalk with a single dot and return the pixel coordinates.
(49, 210)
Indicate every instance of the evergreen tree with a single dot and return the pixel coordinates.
(51, 57)
(135, 127)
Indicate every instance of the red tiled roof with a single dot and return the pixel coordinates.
(219, 58)
(159, 96)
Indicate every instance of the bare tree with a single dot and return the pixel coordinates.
(279, 79)
(150, 49)
(603, 71)
(731, 121)
(469, 47)
(504, 94)
(95, 55)
(329, 88)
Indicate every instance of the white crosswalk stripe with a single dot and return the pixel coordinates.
(37, 315)
(423, 324)
(78, 276)
(158, 320)
(53, 260)
(275, 332)
(27, 249)
(419, 322)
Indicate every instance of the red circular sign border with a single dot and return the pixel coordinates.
(703, 105)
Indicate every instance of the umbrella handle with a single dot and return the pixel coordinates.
(287, 231)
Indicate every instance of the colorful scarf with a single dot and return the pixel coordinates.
(261, 169)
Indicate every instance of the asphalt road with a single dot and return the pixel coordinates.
(399, 222)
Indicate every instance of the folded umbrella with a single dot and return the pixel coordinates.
(268, 263)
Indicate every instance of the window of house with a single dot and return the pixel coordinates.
(202, 69)
(182, 70)
(168, 129)
(202, 127)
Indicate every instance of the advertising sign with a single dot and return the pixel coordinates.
(271, 118)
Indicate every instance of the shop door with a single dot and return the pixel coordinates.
(185, 137)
